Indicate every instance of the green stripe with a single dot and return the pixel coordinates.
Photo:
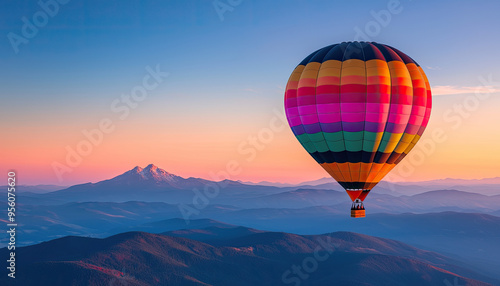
(321, 146)
(371, 136)
(353, 136)
(342, 141)
(383, 144)
(309, 146)
(317, 137)
(335, 136)
(336, 146)
(354, 146)
(368, 145)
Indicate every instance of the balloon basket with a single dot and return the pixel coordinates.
(357, 208)
(358, 213)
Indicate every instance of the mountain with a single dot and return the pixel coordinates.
(298, 198)
(432, 201)
(322, 181)
(439, 200)
(267, 183)
(42, 223)
(451, 182)
(153, 184)
(470, 237)
(263, 258)
(488, 186)
(151, 199)
(152, 177)
(295, 210)
(149, 184)
(325, 180)
(410, 189)
(172, 224)
(215, 235)
(149, 175)
(36, 189)
(466, 200)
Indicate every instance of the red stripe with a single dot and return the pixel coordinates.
(353, 88)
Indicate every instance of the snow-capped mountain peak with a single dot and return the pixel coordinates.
(157, 174)
(137, 169)
(150, 174)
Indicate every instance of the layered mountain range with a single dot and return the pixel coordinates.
(148, 205)
(231, 255)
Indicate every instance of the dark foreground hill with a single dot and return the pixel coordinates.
(249, 258)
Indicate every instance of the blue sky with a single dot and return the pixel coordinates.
(96, 46)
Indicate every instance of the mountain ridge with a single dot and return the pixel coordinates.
(140, 258)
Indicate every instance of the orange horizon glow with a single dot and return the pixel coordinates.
(195, 150)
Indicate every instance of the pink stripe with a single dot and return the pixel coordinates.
(396, 128)
(306, 100)
(377, 108)
(420, 100)
(402, 98)
(292, 111)
(426, 117)
(412, 129)
(418, 110)
(352, 107)
(398, 118)
(291, 102)
(309, 119)
(353, 117)
(294, 120)
(307, 109)
(329, 118)
(355, 97)
(416, 120)
(400, 108)
(376, 117)
(324, 98)
(328, 108)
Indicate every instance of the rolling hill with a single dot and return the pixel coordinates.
(262, 258)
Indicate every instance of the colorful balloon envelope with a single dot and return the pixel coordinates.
(358, 108)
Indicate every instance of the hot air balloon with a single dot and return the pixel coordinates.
(358, 108)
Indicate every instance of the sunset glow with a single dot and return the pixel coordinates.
(222, 100)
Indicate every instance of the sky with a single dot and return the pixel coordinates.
(208, 79)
